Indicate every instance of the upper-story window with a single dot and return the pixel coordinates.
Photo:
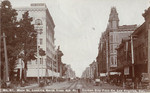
(41, 41)
(111, 38)
(38, 22)
(111, 48)
(112, 61)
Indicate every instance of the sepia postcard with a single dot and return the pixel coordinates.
(75, 46)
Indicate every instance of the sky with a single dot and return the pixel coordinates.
(79, 24)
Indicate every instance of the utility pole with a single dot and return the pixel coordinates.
(149, 52)
(38, 57)
(52, 70)
(6, 72)
(132, 53)
(107, 58)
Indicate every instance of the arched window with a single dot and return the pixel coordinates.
(38, 22)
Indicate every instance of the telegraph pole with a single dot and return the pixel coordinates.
(149, 53)
(38, 56)
(132, 53)
(52, 71)
(107, 58)
(6, 74)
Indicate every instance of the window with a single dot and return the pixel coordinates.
(41, 60)
(111, 48)
(36, 61)
(41, 41)
(116, 38)
(115, 60)
(38, 22)
(111, 38)
(112, 61)
(114, 24)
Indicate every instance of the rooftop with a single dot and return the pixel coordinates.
(128, 27)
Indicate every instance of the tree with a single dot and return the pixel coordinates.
(20, 40)
(9, 27)
(28, 41)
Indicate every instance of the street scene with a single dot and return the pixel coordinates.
(75, 46)
(78, 84)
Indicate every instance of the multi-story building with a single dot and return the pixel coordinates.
(44, 25)
(146, 16)
(141, 46)
(132, 62)
(86, 73)
(102, 57)
(70, 74)
(60, 64)
(110, 39)
(93, 70)
(124, 56)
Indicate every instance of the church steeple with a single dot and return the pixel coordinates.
(113, 19)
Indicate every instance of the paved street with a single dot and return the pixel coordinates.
(79, 84)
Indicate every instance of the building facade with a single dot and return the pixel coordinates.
(86, 73)
(133, 66)
(93, 70)
(60, 64)
(46, 66)
(146, 16)
(69, 73)
(110, 39)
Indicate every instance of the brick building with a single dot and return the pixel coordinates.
(140, 63)
(109, 41)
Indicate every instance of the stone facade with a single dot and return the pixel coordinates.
(44, 24)
(110, 39)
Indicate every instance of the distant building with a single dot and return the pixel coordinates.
(44, 24)
(86, 73)
(93, 70)
(60, 64)
(70, 74)
(109, 41)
